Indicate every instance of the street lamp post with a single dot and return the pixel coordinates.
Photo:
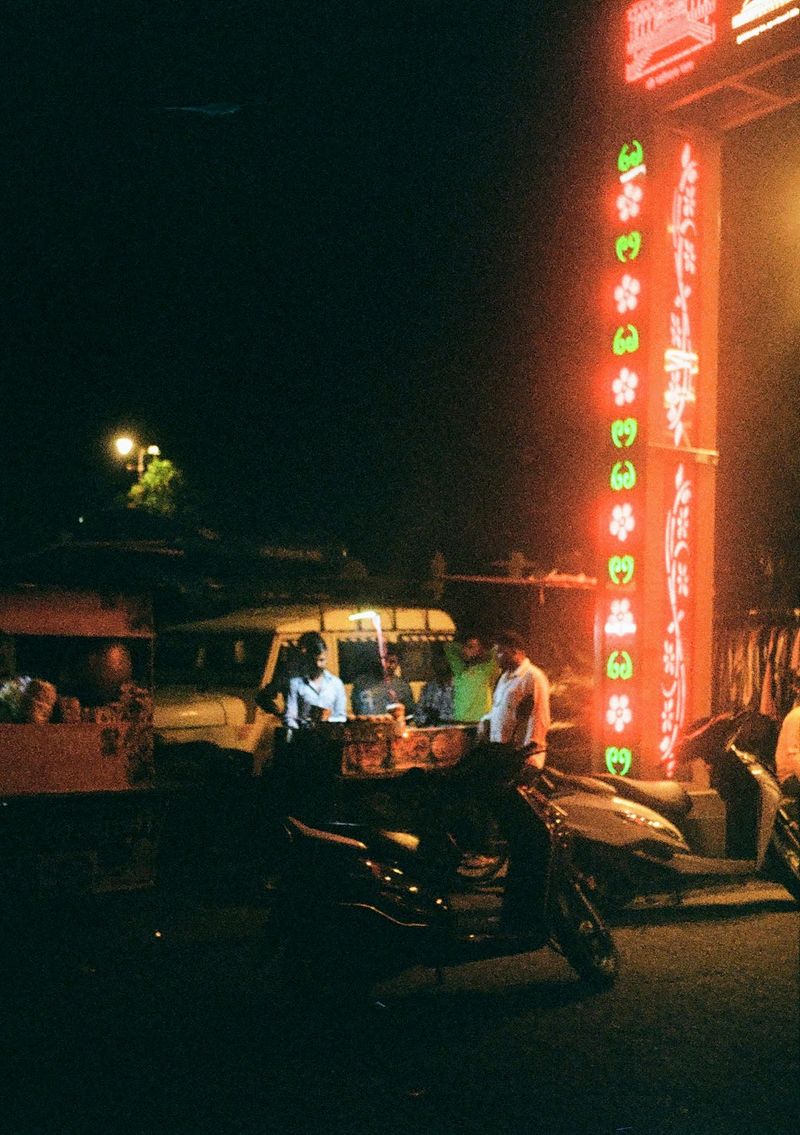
(125, 446)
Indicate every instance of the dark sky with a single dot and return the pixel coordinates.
(357, 309)
(330, 308)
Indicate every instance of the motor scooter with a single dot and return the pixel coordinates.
(635, 839)
(356, 903)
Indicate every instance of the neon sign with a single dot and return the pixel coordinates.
(754, 10)
(681, 365)
(622, 498)
(662, 35)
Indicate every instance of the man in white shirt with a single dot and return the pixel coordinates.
(512, 734)
(520, 713)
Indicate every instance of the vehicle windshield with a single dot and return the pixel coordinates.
(211, 660)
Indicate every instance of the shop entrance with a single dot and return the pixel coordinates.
(692, 81)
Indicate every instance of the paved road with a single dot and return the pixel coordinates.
(699, 1037)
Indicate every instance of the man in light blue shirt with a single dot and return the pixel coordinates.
(314, 694)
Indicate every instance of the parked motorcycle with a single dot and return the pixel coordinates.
(358, 903)
(636, 839)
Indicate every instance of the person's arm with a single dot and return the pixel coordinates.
(267, 698)
(290, 715)
(452, 652)
(541, 708)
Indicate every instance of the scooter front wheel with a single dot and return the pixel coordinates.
(783, 858)
(583, 938)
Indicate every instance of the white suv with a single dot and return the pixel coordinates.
(208, 673)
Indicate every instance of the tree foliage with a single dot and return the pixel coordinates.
(159, 488)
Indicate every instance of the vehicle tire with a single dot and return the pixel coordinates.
(583, 938)
(783, 859)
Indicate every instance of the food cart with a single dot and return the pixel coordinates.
(343, 770)
(76, 743)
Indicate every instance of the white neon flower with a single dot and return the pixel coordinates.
(624, 386)
(669, 660)
(682, 523)
(626, 294)
(619, 712)
(620, 620)
(628, 201)
(689, 257)
(622, 521)
(682, 579)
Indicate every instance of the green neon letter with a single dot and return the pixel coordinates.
(620, 569)
(631, 154)
(618, 761)
(628, 246)
(619, 666)
(624, 431)
(623, 476)
(626, 340)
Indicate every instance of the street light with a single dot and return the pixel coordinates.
(125, 446)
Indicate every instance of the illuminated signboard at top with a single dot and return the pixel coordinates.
(662, 34)
(703, 41)
(759, 16)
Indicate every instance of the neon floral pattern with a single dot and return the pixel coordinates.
(680, 362)
(674, 683)
(626, 294)
(624, 387)
(629, 201)
(619, 713)
(622, 521)
(620, 621)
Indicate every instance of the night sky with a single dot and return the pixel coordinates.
(356, 309)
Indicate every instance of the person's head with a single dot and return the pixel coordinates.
(313, 651)
(473, 648)
(391, 660)
(509, 648)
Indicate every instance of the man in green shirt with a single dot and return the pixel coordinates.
(475, 672)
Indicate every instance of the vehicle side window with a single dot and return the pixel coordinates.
(416, 657)
(211, 660)
(357, 658)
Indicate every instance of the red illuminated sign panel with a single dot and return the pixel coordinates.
(759, 16)
(662, 35)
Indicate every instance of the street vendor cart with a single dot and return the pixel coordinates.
(337, 770)
(76, 743)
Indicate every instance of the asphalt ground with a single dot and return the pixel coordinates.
(196, 1034)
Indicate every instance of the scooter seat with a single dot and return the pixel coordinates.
(665, 796)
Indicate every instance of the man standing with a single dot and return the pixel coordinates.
(513, 733)
(520, 713)
(475, 672)
(315, 694)
(375, 693)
